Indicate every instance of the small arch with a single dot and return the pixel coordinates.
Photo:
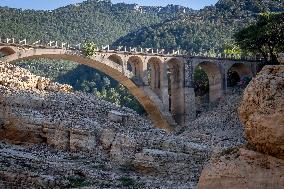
(154, 73)
(7, 51)
(135, 65)
(116, 58)
(175, 89)
(238, 73)
(214, 78)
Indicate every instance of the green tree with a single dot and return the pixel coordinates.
(265, 37)
(89, 49)
(201, 82)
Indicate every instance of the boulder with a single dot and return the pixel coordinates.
(117, 117)
(239, 169)
(262, 111)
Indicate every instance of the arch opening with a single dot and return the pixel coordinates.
(201, 88)
(135, 65)
(85, 79)
(154, 75)
(175, 90)
(5, 51)
(233, 78)
(238, 75)
(115, 58)
(214, 79)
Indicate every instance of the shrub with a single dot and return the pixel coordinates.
(89, 49)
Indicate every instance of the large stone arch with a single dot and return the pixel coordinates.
(175, 73)
(214, 75)
(146, 97)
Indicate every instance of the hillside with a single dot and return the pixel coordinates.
(133, 25)
(209, 29)
(92, 20)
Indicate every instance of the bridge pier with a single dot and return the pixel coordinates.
(189, 94)
(124, 66)
(254, 68)
(224, 78)
(164, 86)
(190, 107)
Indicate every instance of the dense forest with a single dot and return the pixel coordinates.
(209, 29)
(93, 20)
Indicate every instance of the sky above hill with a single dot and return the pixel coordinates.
(53, 4)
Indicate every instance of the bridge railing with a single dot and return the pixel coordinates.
(124, 49)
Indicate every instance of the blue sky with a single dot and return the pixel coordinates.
(52, 4)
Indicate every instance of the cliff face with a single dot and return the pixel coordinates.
(260, 164)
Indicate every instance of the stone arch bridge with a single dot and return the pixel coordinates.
(163, 84)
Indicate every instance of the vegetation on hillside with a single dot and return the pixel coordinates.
(266, 37)
(209, 30)
(93, 20)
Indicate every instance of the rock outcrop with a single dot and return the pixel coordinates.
(243, 168)
(15, 77)
(260, 164)
(262, 111)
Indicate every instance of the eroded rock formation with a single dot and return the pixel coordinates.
(243, 168)
(21, 79)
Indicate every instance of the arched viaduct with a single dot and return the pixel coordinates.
(163, 84)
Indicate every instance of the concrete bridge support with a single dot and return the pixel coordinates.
(189, 94)
(176, 89)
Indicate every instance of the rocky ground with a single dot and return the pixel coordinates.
(219, 126)
(44, 167)
(55, 138)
